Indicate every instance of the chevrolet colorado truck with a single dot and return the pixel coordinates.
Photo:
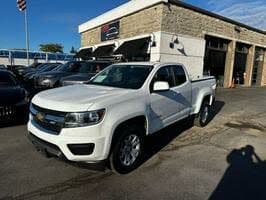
(109, 118)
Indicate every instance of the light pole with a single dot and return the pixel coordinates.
(27, 36)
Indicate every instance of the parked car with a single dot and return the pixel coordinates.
(109, 118)
(85, 73)
(52, 79)
(14, 98)
(47, 67)
(3, 67)
(32, 70)
(20, 70)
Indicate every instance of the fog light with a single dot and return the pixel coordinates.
(81, 149)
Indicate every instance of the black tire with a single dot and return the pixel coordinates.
(203, 117)
(57, 84)
(116, 158)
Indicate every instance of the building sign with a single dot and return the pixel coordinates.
(110, 31)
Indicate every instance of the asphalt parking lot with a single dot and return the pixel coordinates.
(225, 160)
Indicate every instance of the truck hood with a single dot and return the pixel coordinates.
(78, 77)
(75, 98)
(53, 74)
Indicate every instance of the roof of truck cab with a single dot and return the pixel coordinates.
(149, 63)
(136, 63)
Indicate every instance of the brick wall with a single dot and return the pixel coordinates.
(143, 22)
(263, 82)
(174, 19)
(188, 22)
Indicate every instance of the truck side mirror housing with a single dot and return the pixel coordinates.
(161, 86)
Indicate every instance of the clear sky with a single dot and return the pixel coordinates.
(57, 20)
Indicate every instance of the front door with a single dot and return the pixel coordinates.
(168, 106)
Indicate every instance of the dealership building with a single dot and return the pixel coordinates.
(174, 31)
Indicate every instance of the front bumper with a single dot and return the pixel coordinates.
(45, 147)
(88, 147)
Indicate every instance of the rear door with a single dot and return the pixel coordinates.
(169, 106)
(163, 105)
(182, 89)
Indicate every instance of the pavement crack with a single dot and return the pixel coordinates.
(61, 187)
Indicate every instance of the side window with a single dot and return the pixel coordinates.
(180, 75)
(164, 74)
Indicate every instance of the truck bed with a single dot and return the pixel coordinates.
(198, 87)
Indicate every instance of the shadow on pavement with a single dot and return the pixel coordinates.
(216, 108)
(244, 178)
(161, 139)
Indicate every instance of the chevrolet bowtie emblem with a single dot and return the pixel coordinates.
(40, 116)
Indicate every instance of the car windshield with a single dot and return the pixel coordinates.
(92, 67)
(123, 76)
(57, 68)
(48, 68)
(85, 68)
(7, 79)
(41, 67)
(70, 67)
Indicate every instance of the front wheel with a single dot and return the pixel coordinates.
(203, 117)
(128, 150)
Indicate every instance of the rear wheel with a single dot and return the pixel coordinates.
(203, 117)
(128, 150)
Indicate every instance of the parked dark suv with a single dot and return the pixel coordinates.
(52, 79)
(14, 98)
(85, 73)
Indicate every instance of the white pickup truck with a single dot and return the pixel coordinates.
(109, 118)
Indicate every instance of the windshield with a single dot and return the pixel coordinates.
(57, 68)
(41, 67)
(85, 68)
(48, 68)
(123, 76)
(7, 79)
(71, 67)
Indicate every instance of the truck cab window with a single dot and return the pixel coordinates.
(180, 75)
(164, 74)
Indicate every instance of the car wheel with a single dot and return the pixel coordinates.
(203, 117)
(57, 84)
(128, 150)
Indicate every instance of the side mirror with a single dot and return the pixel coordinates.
(161, 86)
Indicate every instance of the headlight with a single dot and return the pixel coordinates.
(73, 120)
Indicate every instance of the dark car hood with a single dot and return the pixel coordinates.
(54, 74)
(78, 77)
(11, 95)
(27, 70)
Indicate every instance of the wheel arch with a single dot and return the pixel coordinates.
(206, 96)
(138, 119)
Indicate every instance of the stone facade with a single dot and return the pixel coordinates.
(174, 19)
(185, 21)
(249, 67)
(263, 81)
(146, 21)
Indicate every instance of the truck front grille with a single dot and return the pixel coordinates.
(48, 119)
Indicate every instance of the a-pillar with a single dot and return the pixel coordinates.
(229, 64)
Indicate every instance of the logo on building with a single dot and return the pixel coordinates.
(110, 31)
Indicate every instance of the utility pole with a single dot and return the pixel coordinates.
(22, 6)
(27, 36)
